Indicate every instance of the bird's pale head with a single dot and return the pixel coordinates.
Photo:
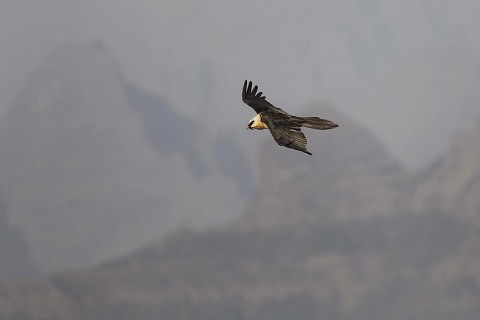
(256, 123)
(250, 124)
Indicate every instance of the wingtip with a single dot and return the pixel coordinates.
(244, 90)
(247, 86)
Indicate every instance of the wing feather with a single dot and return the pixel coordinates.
(289, 136)
(255, 100)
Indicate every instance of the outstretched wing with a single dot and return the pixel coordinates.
(256, 101)
(287, 135)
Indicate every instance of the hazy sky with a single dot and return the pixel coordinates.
(197, 54)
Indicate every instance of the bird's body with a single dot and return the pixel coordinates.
(285, 128)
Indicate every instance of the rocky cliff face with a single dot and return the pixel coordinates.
(74, 159)
(452, 183)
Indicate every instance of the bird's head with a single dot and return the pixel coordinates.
(250, 124)
(256, 123)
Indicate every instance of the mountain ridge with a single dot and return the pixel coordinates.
(418, 262)
(82, 149)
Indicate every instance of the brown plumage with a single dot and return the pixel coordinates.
(285, 128)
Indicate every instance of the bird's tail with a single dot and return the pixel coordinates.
(317, 123)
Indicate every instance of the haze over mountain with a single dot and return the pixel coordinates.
(92, 167)
(15, 258)
(452, 183)
(291, 257)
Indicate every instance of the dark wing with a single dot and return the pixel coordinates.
(256, 101)
(285, 134)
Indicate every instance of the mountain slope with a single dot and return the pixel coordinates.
(452, 183)
(373, 268)
(89, 171)
(15, 259)
(350, 174)
(287, 260)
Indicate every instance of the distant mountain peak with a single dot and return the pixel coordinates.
(83, 171)
(452, 183)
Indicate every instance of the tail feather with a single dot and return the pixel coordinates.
(317, 123)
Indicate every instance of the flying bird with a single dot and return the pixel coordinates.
(285, 128)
